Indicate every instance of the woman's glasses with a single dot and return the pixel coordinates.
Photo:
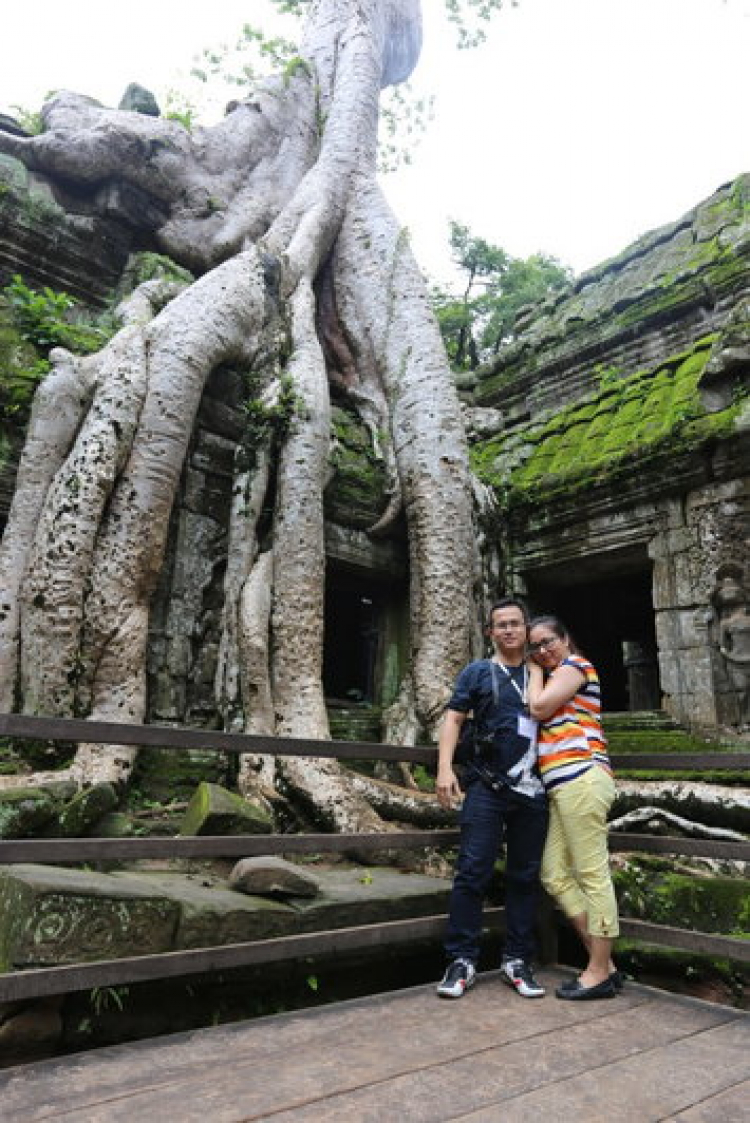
(543, 644)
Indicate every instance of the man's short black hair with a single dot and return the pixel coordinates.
(508, 602)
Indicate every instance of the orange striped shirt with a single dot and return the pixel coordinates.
(572, 741)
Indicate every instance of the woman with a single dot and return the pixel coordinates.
(564, 696)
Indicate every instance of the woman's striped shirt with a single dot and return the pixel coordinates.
(571, 741)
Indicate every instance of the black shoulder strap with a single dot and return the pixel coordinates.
(495, 683)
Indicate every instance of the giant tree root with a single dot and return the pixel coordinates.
(654, 820)
(710, 804)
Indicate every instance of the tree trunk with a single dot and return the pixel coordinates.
(275, 206)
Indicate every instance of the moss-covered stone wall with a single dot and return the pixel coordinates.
(81, 253)
(640, 422)
(615, 433)
(672, 286)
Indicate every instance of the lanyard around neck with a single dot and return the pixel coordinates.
(522, 694)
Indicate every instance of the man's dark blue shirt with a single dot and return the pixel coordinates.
(514, 754)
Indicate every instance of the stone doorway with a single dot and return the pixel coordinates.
(611, 616)
(353, 626)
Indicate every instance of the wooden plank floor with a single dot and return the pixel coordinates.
(408, 1057)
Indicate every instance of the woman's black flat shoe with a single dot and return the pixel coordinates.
(617, 980)
(576, 993)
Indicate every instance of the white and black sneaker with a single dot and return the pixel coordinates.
(461, 975)
(517, 974)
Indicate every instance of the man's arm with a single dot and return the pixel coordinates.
(447, 787)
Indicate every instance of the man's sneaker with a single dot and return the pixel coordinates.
(461, 975)
(517, 974)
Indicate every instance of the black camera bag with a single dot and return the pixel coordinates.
(474, 744)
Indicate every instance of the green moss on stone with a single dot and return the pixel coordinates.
(728, 778)
(661, 276)
(356, 495)
(214, 810)
(86, 808)
(114, 825)
(710, 259)
(686, 972)
(13, 174)
(356, 723)
(637, 420)
(162, 775)
(51, 916)
(25, 811)
(659, 741)
(651, 892)
(148, 266)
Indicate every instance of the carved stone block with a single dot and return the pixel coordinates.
(51, 916)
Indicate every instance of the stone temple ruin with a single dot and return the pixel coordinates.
(620, 464)
(612, 440)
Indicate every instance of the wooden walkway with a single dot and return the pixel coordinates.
(408, 1057)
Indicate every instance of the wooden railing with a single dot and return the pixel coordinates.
(37, 983)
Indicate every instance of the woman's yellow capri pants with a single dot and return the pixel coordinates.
(575, 866)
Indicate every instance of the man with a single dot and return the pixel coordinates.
(504, 799)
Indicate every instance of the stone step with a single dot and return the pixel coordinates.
(165, 775)
(355, 723)
(660, 741)
(640, 719)
(657, 732)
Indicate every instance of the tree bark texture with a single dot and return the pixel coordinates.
(278, 210)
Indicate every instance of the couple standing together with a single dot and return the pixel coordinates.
(540, 780)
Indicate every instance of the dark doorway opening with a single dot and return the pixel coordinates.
(353, 625)
(612, 620)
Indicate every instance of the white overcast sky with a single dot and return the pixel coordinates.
(580, 125)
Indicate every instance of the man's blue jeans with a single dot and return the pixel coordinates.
(488, 817)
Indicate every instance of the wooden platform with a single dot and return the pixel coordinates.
(409, 1057)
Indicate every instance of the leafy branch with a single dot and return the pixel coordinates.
(476, 322)
(469, 16)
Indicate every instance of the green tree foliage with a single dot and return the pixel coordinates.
(46, 319)
(469, 18)
(233, 68)
(31, 323)
(478, 320)
(229, 70)
(39, 316)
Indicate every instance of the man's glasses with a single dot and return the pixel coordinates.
(543, 644)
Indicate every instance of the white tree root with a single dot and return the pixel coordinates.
(704, 803)
(298, 585)
(384, 296)
(60, 561)
(241, 607)
(257, 772)
(658, 821)
(59, 405)
(418, 808)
